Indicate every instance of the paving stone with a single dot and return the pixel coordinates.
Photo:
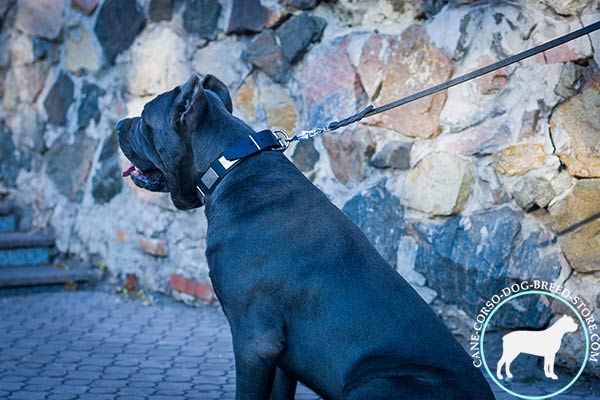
(200, 380)
(146, 378)
(40, 380)
(17, 378)
(132, 397)
(133, 391)
(110, 383)
(31, 365)
(103, 390)
(171, 392)
(37, 388)
(103, 317)
(177, 379)
(62, 396)
(210, 395)
(143, 385)
(22, 371)
(213, 372)
(64, 389)
(89, 368)
(77, 382)
(22, 395)
(95, 396)
(206, 387)
(11, 386)
(119, 370)
(127, 363)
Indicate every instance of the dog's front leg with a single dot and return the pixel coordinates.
(284, 386)
(256, 351)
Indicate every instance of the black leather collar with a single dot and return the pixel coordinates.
(245, 147)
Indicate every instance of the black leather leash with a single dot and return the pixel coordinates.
(278, 139)
(370, 110)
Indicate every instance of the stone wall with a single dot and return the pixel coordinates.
(494, 181)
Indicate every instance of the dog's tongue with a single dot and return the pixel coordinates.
(128, 171)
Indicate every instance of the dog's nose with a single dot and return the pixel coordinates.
(121, 124)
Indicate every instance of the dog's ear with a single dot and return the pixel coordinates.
(210, 82)
(189, 105)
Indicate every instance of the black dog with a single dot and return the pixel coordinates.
(307, 297)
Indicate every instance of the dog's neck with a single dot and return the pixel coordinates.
(217, 133)
(227, 143)
(244, 189)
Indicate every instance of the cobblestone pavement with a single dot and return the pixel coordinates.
(91, 345)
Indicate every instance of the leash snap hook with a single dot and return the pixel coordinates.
(283, 138)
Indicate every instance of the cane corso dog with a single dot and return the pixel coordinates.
(307, 297)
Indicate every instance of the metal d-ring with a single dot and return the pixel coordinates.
(283, 138)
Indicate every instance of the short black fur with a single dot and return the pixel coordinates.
(307, 297)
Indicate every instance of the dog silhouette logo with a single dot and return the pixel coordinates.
(544, 343)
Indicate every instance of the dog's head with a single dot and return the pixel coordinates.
(160, 143)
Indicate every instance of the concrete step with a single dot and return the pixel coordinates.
(44, 275)
(6, 208)
(8, 222)
(23, 248)
(15, 240)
